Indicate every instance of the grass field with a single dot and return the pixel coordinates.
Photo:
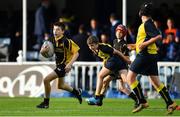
(71, 107)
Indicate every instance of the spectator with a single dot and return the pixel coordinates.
(43, 21)
(15, 35)
(114, 23)
(171, 29)
(81, 40)
(171, 47)
(170, 41)
(94, 28)
(104, 38)
(131, 36)
(68, 19)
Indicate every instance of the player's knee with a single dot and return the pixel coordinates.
(100, 76)
(46, 81)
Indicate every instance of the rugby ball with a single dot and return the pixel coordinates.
(47, 49)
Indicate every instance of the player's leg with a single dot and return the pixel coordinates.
(97, 100)
(136, 87)
(162, 90)
(122, 87)
(122, 81)
(106, 82)
(47, 86)
(140, 65)
(75, 92)
(125, 89)
(102, 74)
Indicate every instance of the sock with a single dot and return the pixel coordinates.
(75, 92)
(101, 97)
(46, 100)
(97, 96)
(164, 94)
(133, 96)
(136, 87)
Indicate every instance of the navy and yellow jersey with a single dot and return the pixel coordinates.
(121, 45)
(64, 49)
(105, 51)
(146, 31)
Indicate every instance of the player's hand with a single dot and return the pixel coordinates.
(128, 61)
(142, 46)
(44, 49)
(68, 68)
(131, 46)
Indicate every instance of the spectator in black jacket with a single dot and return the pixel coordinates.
(80, 39)
(114, 23)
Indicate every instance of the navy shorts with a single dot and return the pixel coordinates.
(115, 64)
(60, 70)
(145, 64)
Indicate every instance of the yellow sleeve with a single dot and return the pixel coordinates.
(74, 48)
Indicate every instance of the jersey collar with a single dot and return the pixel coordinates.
(59, 38)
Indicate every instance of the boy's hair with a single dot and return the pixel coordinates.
(59, 24)
(146, 9)
(92, 40)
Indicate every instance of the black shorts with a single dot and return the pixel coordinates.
(60, 71)
(115, 64)
(145, 64)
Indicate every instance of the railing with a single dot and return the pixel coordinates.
(85, 75)
(26, 79)
(169, 73)
(86, 79)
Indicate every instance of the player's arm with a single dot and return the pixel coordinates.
(69, 65)
(131, 46)
(126, 51)
(74, 48)
(122, 56)
(149, 42)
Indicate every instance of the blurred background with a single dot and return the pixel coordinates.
(92, 16)
(82, 18)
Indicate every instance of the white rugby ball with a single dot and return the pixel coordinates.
(50, 49)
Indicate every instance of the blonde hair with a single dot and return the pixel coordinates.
(92, 40)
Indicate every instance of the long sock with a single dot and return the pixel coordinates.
(136, 87)
(75, 92)
(101, 97)
(97, 96)
(164, 94)
(46, 100)
(133, 96)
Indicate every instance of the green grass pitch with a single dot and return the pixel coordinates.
(70, 107)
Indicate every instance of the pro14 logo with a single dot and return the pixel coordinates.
(29, 82)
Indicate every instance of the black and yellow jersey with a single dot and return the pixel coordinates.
(146, 31)
(64, 49)
(121, 45)
(105, 51)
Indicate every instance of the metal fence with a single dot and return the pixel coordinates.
(26, 79)
(85, 74)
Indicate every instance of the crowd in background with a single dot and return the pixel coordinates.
(40, 24)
